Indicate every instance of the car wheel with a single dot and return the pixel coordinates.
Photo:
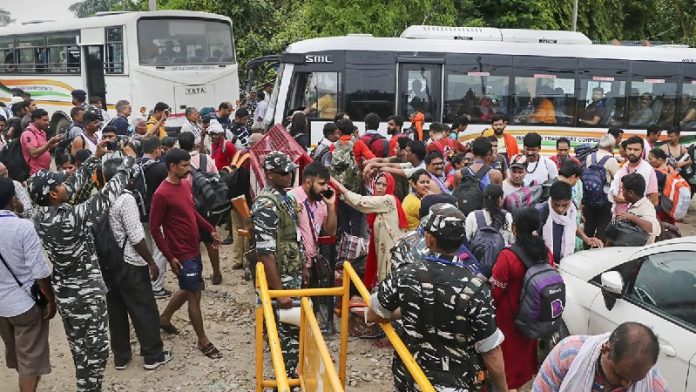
(547, 344)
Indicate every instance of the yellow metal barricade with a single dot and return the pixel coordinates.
(316, 370)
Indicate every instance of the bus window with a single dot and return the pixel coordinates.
(113, 63)
(687, 106)
(419, 86)
(60, 46)
(370, 84)
(184, 41)
(601, 102)
(316, 93)
(651, 101)
(32, 55)
(544, 99)
(478, 95)
(7, 55)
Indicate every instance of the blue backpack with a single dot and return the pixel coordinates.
(487, 243)
(594, 178)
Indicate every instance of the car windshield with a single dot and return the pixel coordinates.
(185, 42)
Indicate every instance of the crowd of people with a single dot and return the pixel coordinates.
(444, 233)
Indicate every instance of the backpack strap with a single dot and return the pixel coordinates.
(203, 163)
(522, 255)
(604, 160)
(480, 219)
(483, 170)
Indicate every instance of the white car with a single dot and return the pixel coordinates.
(654, 285)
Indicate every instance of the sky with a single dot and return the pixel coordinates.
(26, 10)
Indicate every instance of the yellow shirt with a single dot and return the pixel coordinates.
(151, 123)
(411, 206)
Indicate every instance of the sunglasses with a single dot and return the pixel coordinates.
(281, 173)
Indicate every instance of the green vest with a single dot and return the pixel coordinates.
(288, 253)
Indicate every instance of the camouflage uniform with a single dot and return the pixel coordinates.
(274, 215)
(77, 280)
(447, 314)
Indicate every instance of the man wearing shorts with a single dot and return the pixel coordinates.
(173, 219)
(23, 325)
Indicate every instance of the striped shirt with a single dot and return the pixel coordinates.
(557, 364)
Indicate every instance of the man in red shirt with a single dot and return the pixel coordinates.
(34, 144)
(222, 151)
(440, 141)
(563, 152)
(172, 216)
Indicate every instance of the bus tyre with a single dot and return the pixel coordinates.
(60, 122)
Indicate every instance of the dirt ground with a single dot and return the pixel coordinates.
(229, 322)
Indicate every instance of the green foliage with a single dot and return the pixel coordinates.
(5, 17)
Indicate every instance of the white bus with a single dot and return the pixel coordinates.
(542, 81)
(182, 58)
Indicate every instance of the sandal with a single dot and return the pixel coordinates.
(170, 329)
(211, 351)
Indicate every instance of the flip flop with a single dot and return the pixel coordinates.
(170, 329)
(211, 351)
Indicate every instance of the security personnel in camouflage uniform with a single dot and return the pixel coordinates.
(77, 280)
(447, 313)
(274, 216)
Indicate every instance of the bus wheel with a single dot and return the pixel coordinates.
(59, 123)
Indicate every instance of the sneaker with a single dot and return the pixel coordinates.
(155, 362)
(164, 293)
(121, 364)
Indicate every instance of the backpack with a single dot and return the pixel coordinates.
(109, 252)
(527, 196)
(344, 168)
(469, 192)
(66, 143)
(583, 151)
(138, 186)
(624, 233)
(676, 197)
(210, 193)
(487, 243)
(11, 155)
(542, 299)
(382, 150)
(594, 178)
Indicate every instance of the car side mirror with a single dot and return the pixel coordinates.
(612, 288)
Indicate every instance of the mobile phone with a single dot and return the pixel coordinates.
(328, 193)
(112, 146)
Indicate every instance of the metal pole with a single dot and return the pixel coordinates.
(153, 5)
(575, 15)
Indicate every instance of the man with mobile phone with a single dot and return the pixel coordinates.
(318, 213)
(155, 124)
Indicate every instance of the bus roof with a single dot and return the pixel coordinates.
(360, 42)
(108, 19)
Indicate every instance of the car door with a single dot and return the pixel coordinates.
(660, 292)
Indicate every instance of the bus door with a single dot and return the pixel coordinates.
(420, 87)
(94, 69)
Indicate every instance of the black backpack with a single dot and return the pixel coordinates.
(108, 250)
(65, 144)
(139, 188)
(210, 193)
(469, 193)
(13, 159)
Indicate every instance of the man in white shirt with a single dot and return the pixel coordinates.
(23, 324)
(598, 217)
(261, 107)
(539, 168)
(516, 175)
(130, 289)
(640, 211)
(192, 124)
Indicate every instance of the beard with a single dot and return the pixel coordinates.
(633, 158)
(498, 132)
(314, 195)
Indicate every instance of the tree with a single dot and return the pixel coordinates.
(5, 17)
(85, 8)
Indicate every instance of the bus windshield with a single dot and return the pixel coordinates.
(184, 42)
